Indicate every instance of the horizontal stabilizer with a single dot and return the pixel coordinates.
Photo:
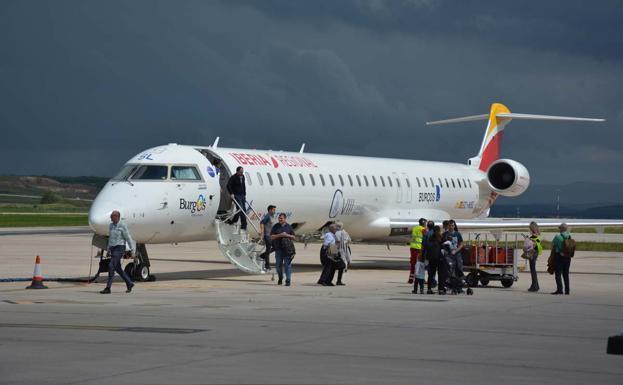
(514, 116)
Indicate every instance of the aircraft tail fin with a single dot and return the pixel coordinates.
(498, 117)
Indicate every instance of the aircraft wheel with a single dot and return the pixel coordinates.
(484, 280)
(142, 272)
(507, 282)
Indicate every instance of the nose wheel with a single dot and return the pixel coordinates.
(138, 270)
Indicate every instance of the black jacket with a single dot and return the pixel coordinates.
(235, 186)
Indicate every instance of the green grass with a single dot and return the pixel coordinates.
(39, 220)
(592, 230)
(61, 207)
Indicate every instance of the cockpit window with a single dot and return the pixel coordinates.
(125, 172)
(184, 173)
(150, 173)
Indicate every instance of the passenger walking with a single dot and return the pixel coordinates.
(535, 237)
(342, 238)
(415, 248)
(266, 226)
(118, 236)
(456, 254)
(430, 225)
(434, 257)
(236, 187)
(328, 251)
(280, 234)
(564, 248)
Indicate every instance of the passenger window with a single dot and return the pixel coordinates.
(302, 179)
(440, 184)
(464, 183)
(408, 183)
(382, 180)
(470, 183)
(341, 180)
(247, 177)
(280, 178)
(374, 181)
(432, 183)
(453, 185)
(270, 178)
(425, 182)
(291, 179)
(321, 179)
(331, 179)
(447, 184)
(365, 179)
(259, 179)
(151, 173)
(397, 182)
(417, 179)
(350, 180)
(358, 180)
(311, 177)
(389, 181)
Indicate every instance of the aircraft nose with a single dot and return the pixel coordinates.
(99, 214)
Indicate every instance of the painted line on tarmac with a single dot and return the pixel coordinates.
(137, 329)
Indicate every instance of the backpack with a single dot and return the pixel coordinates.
(288, 247)
(568, 247)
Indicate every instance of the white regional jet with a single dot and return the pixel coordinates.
(175, 193)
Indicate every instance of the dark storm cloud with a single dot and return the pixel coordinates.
(574, 26)
(85, 85)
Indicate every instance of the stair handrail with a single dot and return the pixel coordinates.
(245, 214)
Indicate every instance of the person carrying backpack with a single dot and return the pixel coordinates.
(533, 252)
(564, 249)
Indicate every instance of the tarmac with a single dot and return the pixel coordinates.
(204, 322)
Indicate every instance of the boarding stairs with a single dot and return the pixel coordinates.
(237, 245)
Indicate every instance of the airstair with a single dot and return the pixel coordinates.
(237, 245)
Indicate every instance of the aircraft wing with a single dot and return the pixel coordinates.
(502, 224)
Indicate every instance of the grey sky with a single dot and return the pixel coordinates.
(85, 85)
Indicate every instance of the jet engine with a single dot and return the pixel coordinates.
(508, 177)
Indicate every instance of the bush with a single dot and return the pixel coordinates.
(51, 197)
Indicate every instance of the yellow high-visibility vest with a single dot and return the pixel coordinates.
(416, 237)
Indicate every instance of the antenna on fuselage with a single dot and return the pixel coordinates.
(302, 148)
(215, 144)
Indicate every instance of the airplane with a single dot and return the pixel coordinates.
(176, 193)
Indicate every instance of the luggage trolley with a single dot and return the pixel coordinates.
(487, 260)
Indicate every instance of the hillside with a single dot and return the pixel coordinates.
(30, 188)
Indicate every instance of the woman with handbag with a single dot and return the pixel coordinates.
(282, 235)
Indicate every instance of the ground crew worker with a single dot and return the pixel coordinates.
(417, 233)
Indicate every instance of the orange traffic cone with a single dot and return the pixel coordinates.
(37, 277)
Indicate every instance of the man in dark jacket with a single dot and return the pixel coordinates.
(238, 192)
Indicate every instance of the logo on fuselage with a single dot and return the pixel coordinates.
(430, 196)
(275, 161)
(194, 206)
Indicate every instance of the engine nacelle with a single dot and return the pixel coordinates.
(508, 177)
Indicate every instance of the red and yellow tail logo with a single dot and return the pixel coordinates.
(490, 149)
